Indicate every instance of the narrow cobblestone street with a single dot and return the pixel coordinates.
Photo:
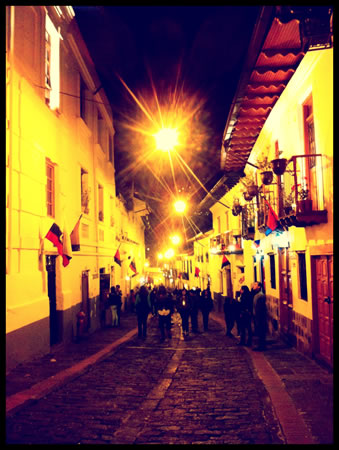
(201, 390)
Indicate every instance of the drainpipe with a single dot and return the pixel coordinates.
(10, 146)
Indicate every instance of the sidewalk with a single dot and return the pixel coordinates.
(294, 382)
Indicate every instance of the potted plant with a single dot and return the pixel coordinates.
(279, 165)
(249, 181)
(304, 203)
(236, 209)
(265, 168)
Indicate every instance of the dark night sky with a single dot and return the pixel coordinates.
(206, 46)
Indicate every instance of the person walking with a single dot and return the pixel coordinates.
(246, 310)
(142, 308)
(206, 306)
(132, 300)
(229, 315)
(195, 300)
(113, 301)
(164, 309)
(183, 308)
(260, 315)
(119, 294)
(153, 296)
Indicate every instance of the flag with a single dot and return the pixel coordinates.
(75, 237)
(117, 257)
(197, 271)
(257, 243)
(53, 235)
(66, 248)
(225, 262)
(272, 219)
(132, 266)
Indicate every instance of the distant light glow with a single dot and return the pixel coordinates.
(180, 206)
(175, 239)
(169, 253)
(166, 139)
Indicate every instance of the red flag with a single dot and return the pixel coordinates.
(117, 257)
(225, 262)
(66, 248)
(197, 271)
(132, 266)
(272, 219)
(53, 235)
(75, 236)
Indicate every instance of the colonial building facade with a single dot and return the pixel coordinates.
(60, 173)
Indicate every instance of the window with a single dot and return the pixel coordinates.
(309, 142)
(101, 202)
(83, 101)
(218, 225)
(302, 276)
(272, 270)
(111, 201)
(52, 65)
(101, 130)
(50, 199)
(84, 192)
(227, 225)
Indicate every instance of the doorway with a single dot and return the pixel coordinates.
(322, 276)
(54, 316)
(85, 299)
(286, 297)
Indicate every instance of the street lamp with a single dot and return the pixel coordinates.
(180, 206)
(166, 139)
(175, 239)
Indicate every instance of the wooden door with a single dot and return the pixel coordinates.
(323, 307)
(286, 298)
(85, 299)
(54, 322)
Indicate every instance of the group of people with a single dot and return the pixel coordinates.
(247, 310)
(162, 303)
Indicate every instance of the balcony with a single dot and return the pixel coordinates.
(301, 199)
(297, 196)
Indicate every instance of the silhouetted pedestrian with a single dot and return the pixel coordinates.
(164, 308)
(142, 308)
(260, 315)
(131, 300)
(195, 300)
(183, 308)
(246, 312)
(206, 306)
(119, 294)
(113, 301)
(229, 316)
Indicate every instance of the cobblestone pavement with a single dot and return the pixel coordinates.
(205, 389)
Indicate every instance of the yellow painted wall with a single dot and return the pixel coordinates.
(34, 133)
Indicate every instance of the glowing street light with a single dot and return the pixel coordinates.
(166, 139)
(175, 239)
(169, 253)
(180, 206)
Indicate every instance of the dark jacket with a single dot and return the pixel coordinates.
(142, 302)
(113, 299)
(164, 303)
(184, 303)
(246, 303)
(206, 302)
